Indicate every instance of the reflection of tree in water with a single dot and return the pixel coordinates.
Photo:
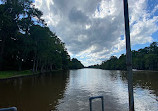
(143, 79)
(116, 74)
(39, 93)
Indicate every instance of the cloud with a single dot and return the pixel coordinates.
(77, 16)
(92, 29)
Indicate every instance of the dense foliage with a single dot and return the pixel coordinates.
(25, 40)
(143, 59)
(75, 64)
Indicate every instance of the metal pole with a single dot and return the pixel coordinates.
(128, 57)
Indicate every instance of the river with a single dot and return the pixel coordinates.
(70, 91)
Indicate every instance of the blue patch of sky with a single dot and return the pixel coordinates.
(1, 2)
(133, 24)
(122, 37)
(98, 7)
(151, 5)
(33, 1)
(155, 36)
(140, 46)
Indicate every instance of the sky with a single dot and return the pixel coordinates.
(93, 30)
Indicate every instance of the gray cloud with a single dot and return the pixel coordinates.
(77, 16)
(92, 28)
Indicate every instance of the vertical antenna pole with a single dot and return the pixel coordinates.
(128, 57)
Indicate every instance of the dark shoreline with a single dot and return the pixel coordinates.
(19, 76)
(122, 70)
(38, 74)
(29, 75)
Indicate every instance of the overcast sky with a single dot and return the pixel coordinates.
(93, 30)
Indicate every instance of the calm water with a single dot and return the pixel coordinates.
(70, 91)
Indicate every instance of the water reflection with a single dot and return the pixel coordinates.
(113, 86)
(39, 93)
(145, 88)
(70, 91)
(85, 83)
(144, 79)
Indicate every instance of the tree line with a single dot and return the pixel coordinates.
(76, 64)
(26, 42)
(143, 59)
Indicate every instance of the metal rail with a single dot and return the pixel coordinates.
(96, 97)
(9, 109)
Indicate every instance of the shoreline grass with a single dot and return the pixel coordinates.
(10, 74)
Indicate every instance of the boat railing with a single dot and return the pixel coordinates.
(9, 109)
(96, 97)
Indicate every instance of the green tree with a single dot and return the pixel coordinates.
(76, 64)
(143, 59)
(27, 41)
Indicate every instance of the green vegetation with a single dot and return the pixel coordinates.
(26, 42)
(75, 64)
(143, 59)
(8, 74)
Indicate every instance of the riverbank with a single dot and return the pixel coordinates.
(12, 74)
(4, 75)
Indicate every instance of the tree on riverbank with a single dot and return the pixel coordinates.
(143, 59)
(75, 64)
(25, 40)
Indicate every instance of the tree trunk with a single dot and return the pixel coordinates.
(51, 67)
(20, 65)
(42, 68)
(1, 53)
(36, 65)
